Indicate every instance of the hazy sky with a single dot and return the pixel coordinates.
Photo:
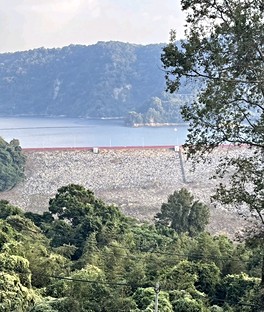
(28, 24)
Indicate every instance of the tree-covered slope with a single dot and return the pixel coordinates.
(84, 255)
(102, 80)
(12, 162)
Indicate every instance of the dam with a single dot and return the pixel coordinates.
(138, 180)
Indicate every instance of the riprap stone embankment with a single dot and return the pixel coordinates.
(136, 180)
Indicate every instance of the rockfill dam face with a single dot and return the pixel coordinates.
(138, 180)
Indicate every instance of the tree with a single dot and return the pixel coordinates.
(224, 51)
(188, 304)
(145, 299)
(7, 209)
(16, 293)
(12, 163)
(13, 295)
(183, 214)
(238, 288)
(74, 214)
(85, 290)
(133, 118)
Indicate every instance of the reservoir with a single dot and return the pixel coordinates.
(36, 132)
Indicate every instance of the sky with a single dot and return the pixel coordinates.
(29, 24)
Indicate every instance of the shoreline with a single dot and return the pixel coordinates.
(164, 124)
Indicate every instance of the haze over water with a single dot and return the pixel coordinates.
(75, 132)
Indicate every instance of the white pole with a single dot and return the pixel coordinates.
(157, 297)
(175, 129)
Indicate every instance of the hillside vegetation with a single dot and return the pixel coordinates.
(108, 79)
(84, 255)
(12, 163)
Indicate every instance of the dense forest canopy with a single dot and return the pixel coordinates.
(84, 255)
(107, 79)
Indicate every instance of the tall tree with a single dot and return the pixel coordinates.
(224, 51)
(74, 214)
(183, 214)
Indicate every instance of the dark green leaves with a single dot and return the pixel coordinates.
(12, 163)
(224, 49)
(183, 214)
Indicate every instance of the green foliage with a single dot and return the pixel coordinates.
(43, 267)
(122, 79)
(18, 266)
(23, 241)
(208, 277)
(209, 247)
(74, 203)
(183, 276)
(7, 210)
(147, 238)
(12, 163)
(75, 214)
(133, 118)
(145, 300)
(15, 284)
(14, 297)
(165, 109)
(45, 306)
(188, 304)
(6, 234)
(239, 288)
(22, 224)
(89, 295)
(38, 219)
(224, 50)
(182, 214)
(216, 308)
(118, 264)
(198, 280)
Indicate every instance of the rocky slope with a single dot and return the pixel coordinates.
(137, 180)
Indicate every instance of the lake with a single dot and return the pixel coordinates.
(77, 132)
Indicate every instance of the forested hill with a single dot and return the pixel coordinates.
(107, 79)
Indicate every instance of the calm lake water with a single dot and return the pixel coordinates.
(76, 132)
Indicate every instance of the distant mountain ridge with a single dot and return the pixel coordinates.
(107, 79)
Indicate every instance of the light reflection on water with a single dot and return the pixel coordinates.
(77, 132)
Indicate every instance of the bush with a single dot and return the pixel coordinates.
(12, 163)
